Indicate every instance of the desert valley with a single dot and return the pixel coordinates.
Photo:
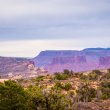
(54, 54)
(57, 80)
(51, 61)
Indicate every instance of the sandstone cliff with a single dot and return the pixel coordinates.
(84, 60)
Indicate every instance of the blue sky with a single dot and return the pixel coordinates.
(29, 26)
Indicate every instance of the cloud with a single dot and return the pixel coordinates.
(55, 19)
(12, 11)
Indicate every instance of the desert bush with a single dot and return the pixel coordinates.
(108, 70)
(105, 89)
(93, 76)
(39, 78)
(43, 99)
(97, 72)
(67, 86)
(84, 77)
(86, 93)
(13, 96)
(62, 76)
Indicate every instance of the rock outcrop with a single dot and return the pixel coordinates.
(10, 64)
(15, 68)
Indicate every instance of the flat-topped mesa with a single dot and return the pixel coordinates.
(84, 60)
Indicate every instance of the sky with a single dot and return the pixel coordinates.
(30, 26)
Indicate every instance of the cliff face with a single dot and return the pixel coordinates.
(87, 59)
(74, 59)
(15, 68)
(8, 64)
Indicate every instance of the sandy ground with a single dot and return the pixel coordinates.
(2, 80)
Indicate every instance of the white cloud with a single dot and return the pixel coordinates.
(16, 9)
(54, 19)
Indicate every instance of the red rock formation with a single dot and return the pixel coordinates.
(87, 59)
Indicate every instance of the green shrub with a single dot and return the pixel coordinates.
(13, 96)
(97, 72)
(86, 93)
(62, 76)
(84, 77)
(67, 86)
(105, 84)
(108, 71)
(93, 76)
(39, 78)
(58, 85)
(105, 89)
(66, 71)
